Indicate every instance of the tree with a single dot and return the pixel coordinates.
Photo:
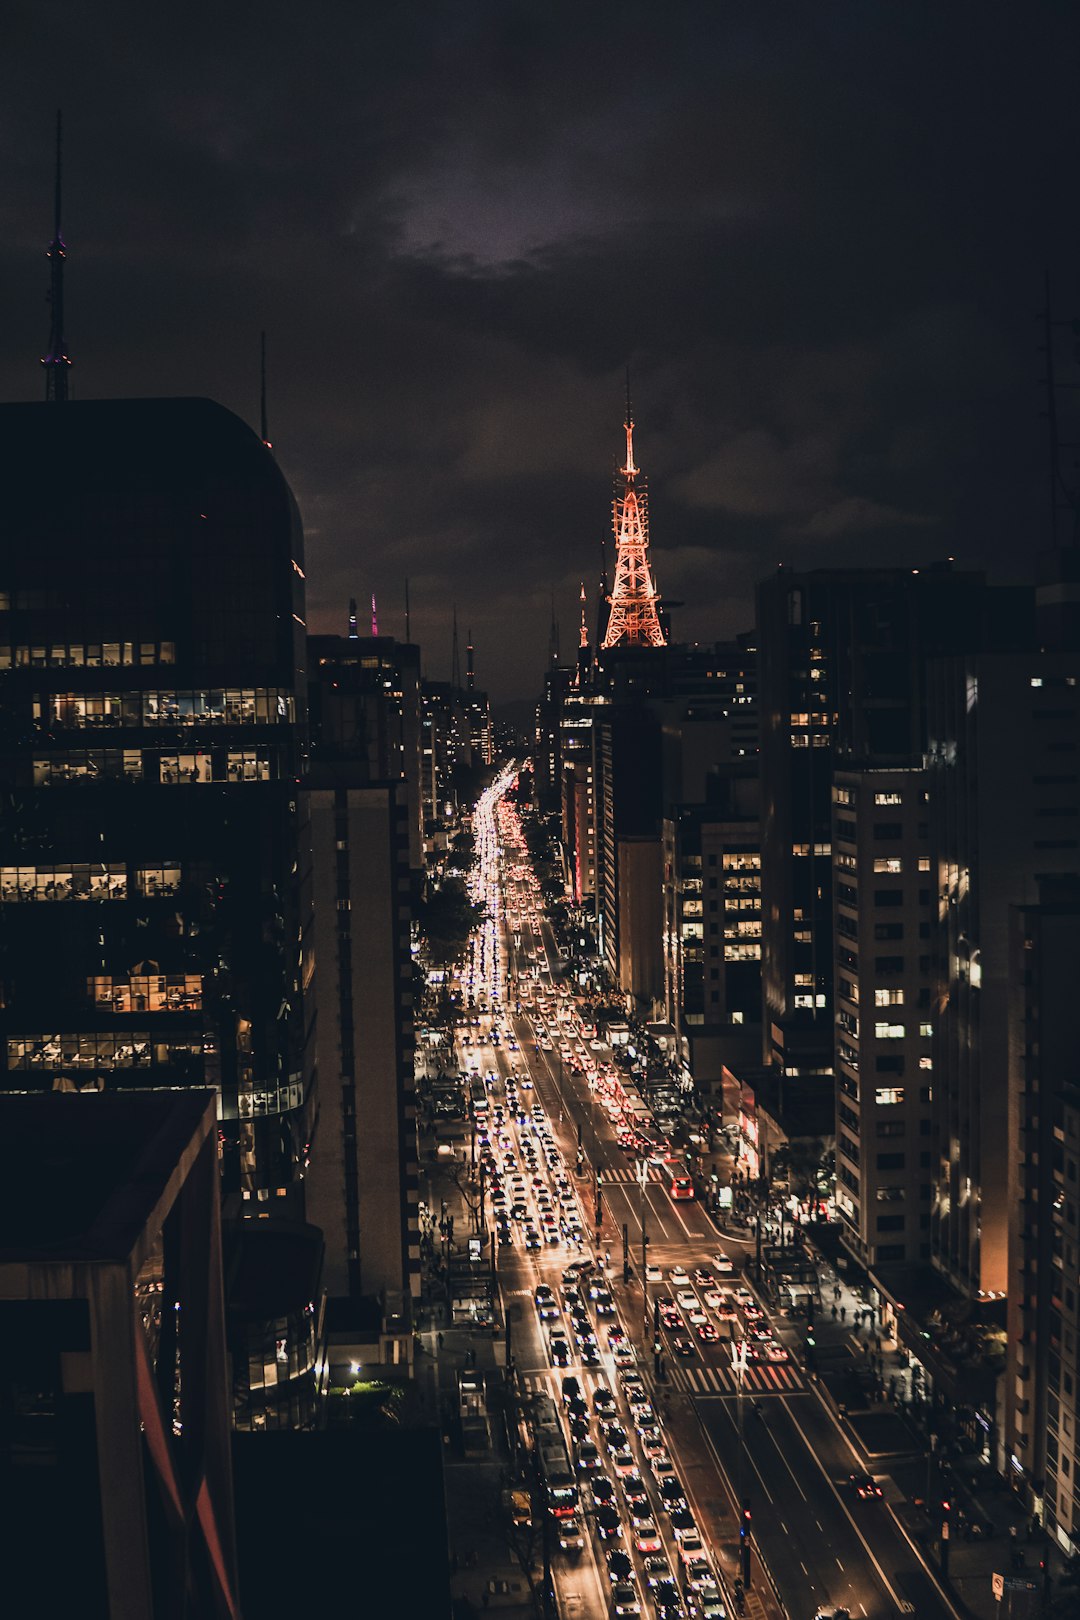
(446, 917)
(806, 1165)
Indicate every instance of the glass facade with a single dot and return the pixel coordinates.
(152, 637)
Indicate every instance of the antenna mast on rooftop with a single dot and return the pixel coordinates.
(57, 361)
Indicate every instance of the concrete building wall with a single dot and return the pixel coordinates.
(363, 1180)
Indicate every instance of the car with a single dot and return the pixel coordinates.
(624, 1600)
(646, 1535)
(605, 1306)
(698, 1573)
(570, 1387)
(832, 1611)
(686, 1299)
(576, 1407)
(776, 1352)
(690, 1546)
(679, 1274)
(588, 1458)
(703, 1277)
(532, 1238)
(619, 1566)
(724, 1264)
(560, 1351)
(546, 1303)
(640, 1405)
(696, 1317)
(656, 1569)
(681, 1346)
(708, 1604)
(603, 1400)
(652, 1444)
(661, 1467)
(668, 1603)
(672, 1495)
(616, 1437)
(590, 1355)
(653, 1273)
(865, 1487)
(571, 1539)
(579, 1429)
(634, 1492)
(607, 1521)
(603, 1491)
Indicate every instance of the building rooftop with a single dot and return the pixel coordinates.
(84, 1172)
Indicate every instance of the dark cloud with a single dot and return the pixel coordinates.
(818, 234)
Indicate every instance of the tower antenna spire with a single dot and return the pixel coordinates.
(470, 662)
(408, 616)
(374, 616)
(455, 658)
(264, 432)
(57, 362)
(633, 619)
(353, 632)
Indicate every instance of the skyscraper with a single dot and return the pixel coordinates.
(156, 927)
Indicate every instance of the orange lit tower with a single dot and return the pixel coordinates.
(633, 620)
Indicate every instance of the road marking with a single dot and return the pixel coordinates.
(839, 1565)
(885, 1581)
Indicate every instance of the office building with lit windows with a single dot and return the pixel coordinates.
(154, 900)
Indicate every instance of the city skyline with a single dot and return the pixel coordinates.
(819, 242)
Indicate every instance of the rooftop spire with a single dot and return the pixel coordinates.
(354, 634)
(56, 362)
(374, 616)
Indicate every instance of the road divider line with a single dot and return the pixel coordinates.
(885, 1581)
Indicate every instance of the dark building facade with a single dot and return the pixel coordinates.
(114, 1445)
(154, 888)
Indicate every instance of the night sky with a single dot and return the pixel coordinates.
(817, 232)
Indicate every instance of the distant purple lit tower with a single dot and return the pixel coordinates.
(57, 362)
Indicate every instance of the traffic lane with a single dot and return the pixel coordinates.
(814, 1555)
(844, 1564)
(897, 1556)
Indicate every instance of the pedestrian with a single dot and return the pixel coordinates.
(439, 1340)
(836, 1293)
(835, 1311)
(843, 1313)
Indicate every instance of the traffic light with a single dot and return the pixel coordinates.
(744, 1528)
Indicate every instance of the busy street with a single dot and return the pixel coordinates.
(671, 1438)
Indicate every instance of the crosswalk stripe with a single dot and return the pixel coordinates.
(622, 1174)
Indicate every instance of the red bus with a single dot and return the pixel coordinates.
(678, 1180)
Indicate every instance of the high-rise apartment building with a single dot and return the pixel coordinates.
(1004, 735)
(842, 658)
(362, 1187)
(884, 902)
(1042, 1369)
(153, 877)
(712, 924)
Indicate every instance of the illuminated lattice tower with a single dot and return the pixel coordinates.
(633, 620)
